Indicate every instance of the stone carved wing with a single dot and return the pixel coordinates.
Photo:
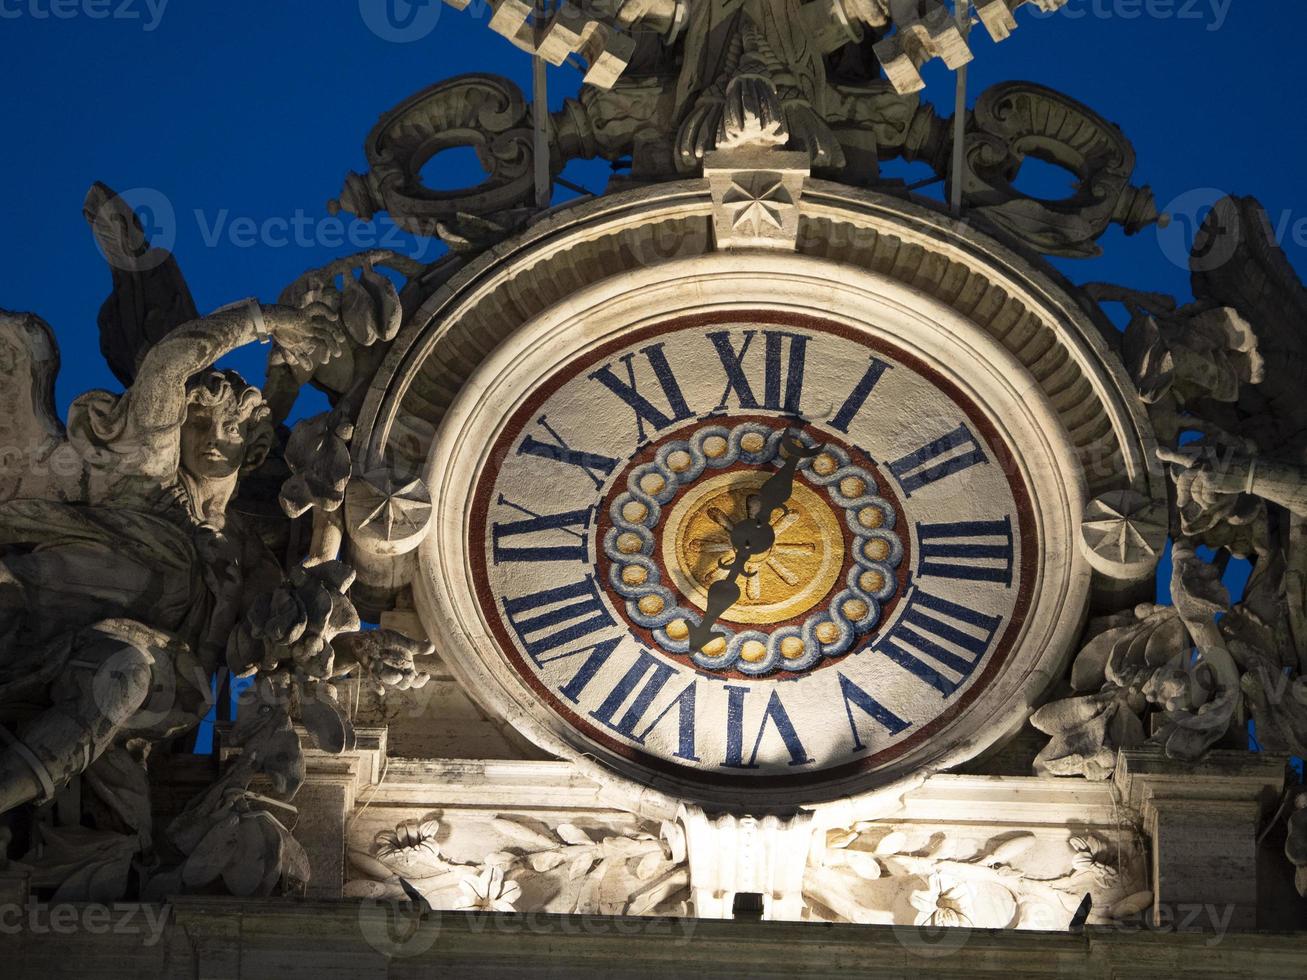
(1236, 262)
(29, 426)
(150, 297)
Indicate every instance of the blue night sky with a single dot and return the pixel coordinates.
(239, 119)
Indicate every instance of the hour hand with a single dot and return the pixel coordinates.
(773, 495)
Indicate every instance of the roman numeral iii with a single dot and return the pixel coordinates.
(974, 551)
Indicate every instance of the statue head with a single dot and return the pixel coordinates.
(227, 430)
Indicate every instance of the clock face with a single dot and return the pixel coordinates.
(897, 576)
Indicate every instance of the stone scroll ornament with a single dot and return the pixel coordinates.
(1222, 380)
(836, 79)
(136, 565)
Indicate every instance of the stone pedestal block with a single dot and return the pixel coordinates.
(1203, 821)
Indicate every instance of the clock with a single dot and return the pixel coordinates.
(910, 593)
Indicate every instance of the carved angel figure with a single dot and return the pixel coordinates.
(128, 579)
(121, 570)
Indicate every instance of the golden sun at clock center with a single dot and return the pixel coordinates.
(788, 581)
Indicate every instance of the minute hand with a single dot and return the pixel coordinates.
(751, 537)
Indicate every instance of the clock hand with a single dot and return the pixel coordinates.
(751, 537)
(721, 596)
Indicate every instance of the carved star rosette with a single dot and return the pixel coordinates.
(387, 515)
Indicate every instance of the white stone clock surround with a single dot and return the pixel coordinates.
(918, 325)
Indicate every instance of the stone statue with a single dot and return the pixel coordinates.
(121, 542)
(128, 581)
(752, 60)
(1222, 381)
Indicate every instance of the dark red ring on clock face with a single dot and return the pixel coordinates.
(716, 779)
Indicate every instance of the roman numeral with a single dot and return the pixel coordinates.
(851, 407)
(855, 696)
(948, 454)
(954, 637)
(540, 524)
(775, 713)
(599, 654)
(659, 674)
(596, 467)
(779, 372)
(645, 411)
(551, 618)
(974, 551)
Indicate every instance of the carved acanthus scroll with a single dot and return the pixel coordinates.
(1016, 120)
